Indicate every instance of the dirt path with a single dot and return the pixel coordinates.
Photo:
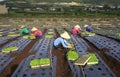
(62, 67)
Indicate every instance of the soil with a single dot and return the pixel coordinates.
(62, 67)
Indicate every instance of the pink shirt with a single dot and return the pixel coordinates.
(75, 30)
(37, 32)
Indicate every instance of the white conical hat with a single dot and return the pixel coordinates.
(77, 26)
(34, 29)
(65, 35)
(22, 26)
(85, 25)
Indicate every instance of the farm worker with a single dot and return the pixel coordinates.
(24, 30)
(36, 32)
(88, 28)
(62, 41)
(76, 30)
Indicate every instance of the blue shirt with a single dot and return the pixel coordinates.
(62, 41)
(89, 28)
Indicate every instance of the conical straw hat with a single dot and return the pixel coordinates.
(77, 26)
(22, 26)
(33, 29)
(85, 25)
(65, 35)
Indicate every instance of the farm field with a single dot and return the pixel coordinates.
(105, 45)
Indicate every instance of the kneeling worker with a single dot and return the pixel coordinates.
(24, 30)
(62, 41)
(36, 32)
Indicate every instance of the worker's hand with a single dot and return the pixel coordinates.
(70, 46)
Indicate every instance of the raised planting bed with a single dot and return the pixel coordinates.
(113, 33)
(36, 45)
(44, 50)
(103, 42)
(93, 70)
(80, 45)
(20, 43)
(5, 59)
(24, 69)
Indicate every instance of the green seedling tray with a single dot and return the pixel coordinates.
(118, 34)
(38, 63)
(48, 36)
(29, 37)
(34, 63)
(88, 33)
(72, 55)
(93, 59)
(9, 49)
(13, 35)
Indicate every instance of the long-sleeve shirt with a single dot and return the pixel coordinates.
(24, 31)
(37, 33)
(62, 41)
(75, 31)
(89, 28)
